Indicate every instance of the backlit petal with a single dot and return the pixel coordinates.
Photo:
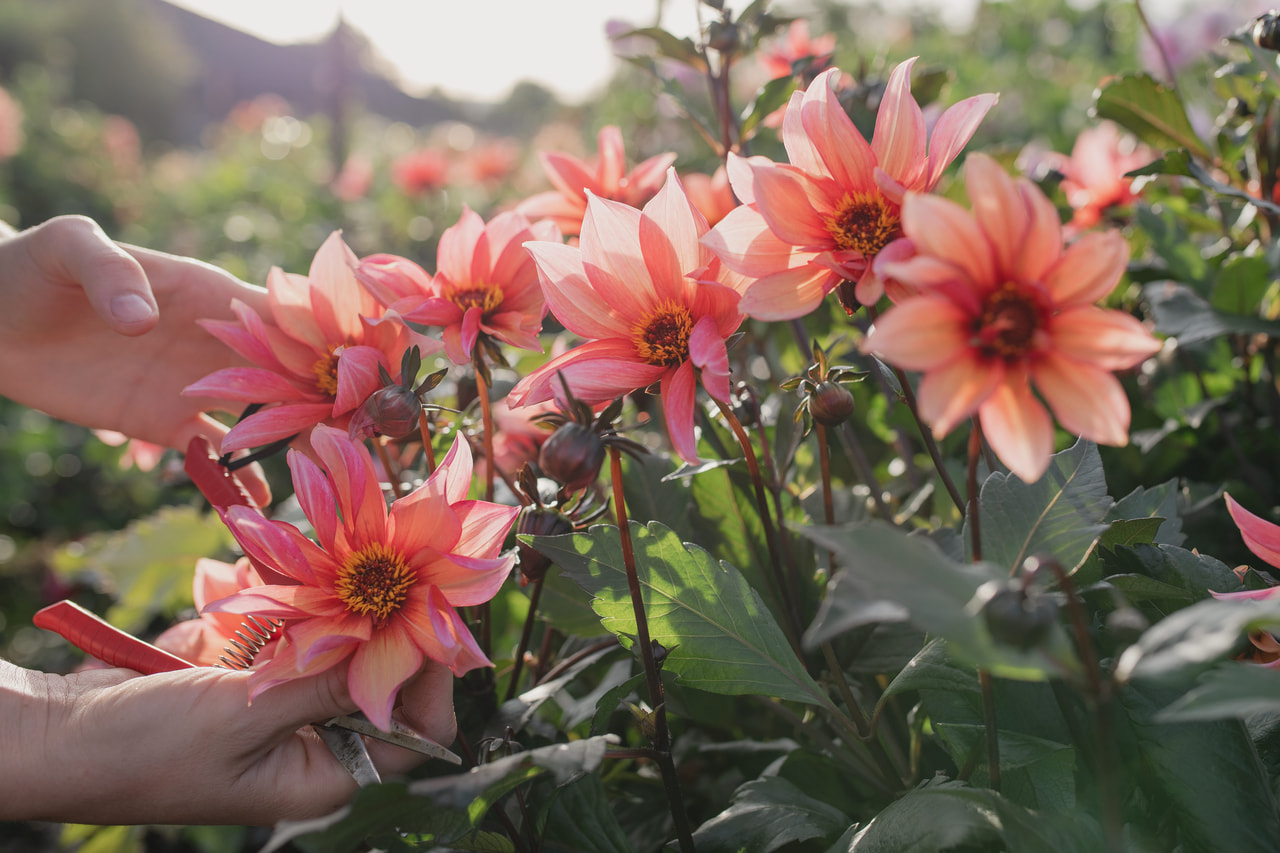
(1111, 340)
(1018, 429)
(678, 391)
(378, 668)
(1089, 269)
(920, 334)
(1261, 536)
(1086, 400)
(945, 230)
(952, 132)
(275, 423)
(899, 140)
(954, 391)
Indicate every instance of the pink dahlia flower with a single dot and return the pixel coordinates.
(486, 284)
(317, 355)
(204, 640)
(805, 227)
(380, 586)
(654, 305)
(1000, 304)
(607, 177)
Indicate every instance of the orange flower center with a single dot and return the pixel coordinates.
(864, 223)
(374, 581)
(662, 337)
(486, 297)
(326, 372)
(1008, 324)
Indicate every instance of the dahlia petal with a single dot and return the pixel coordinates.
(274, 545)
(788, 294)
(1111, 340)
(379, 667)
(1018, 429)
(799, 147)
(565, 213)
(569, 175)
(596, 371)
(945, 230)
(468, 581)
(742, 176)
(1260, 536)
(511, 264)
(849, 160)
(274, 424)
(454, 471)
(363, 509)
(423, 519)
(358, 377)
(250, 346)
(789, 202)
(249, 385)
(613, 159)
(920, 334)
(570, 296)
(678, 391)
(313, 637)
(999, 209)
(468, 334)
(484, 527)
(899, 139)
(1042, 240)
(391, 278)
(316, 497)
(956, 390)
(1089, 269)
(708, 353)
(289, 298)
(461, 249)
(431, 311)
(1086, 400)
(745, 244)
(669, 237)
(646, 178)
(613, 259)
(337, 298)
(952, 132)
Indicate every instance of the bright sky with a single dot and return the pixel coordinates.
(479, 48)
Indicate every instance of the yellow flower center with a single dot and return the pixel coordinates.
(864, 222)
(326, 372)
(662, 337)
(486, 297)
(374, 581)
(1008, 324)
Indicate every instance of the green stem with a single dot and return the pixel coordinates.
(989, 723)
(661, 734)
(828, 500)
(525, 635)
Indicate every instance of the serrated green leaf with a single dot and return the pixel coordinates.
(1232, 690)
(1151, 111)
(764, 815)
(1059, 515)
(1156, 502)
(1185, 315)
(1195, 636)
(582, 818)
(1207, 774)
(373, 810)
(771, 97)
(149, 566)
(721, 637)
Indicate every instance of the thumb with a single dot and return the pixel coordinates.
(75, 249)
(288, 706)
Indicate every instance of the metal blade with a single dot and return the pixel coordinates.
(348, 747)
(400, 735)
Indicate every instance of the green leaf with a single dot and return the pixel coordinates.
(1195, 637)
(890, 576)
(1059, 515)
(680, 49)
(582, 818)
(771, 97)
(651, 495)
(764, 815)
(725, 517)
(1240, 285)
(1168, 572)
(1171, 241)
(1156, 502)
(1185, 315)
(948, 815)
(1207, 774)
(1151, 111)
(1180, 163)
(720, 636)
(1232, 690)
(149, 566)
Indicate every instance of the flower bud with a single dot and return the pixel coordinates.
(1017, 619)
(572, 456)
(538, 521)
(831, 404)
(391, 411)
(846, 294)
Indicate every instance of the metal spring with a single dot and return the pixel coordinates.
(244, 645)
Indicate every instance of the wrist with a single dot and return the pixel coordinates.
(26, 729)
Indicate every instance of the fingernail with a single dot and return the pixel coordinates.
(130, 308)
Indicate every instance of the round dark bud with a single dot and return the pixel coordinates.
(391, 411)
(845, 294)
(1017, 619)
(572, 456)
(538, 521)
(723, 37)
(831, 404)
(1266, 31)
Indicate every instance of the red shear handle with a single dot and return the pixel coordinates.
(95, 636)
(218, 485)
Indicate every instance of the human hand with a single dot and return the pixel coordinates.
(108, 746)
(105, 335)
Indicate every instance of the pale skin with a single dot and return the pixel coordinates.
(105, 335)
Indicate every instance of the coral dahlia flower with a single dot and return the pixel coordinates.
(317, 355)
(653, 303)
(485, 284)
(205, 639)
(607, 177)
(1000, 305)
(380, 587)
(805, 227)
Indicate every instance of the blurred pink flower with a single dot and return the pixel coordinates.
(781, 53)
(605, 178)
(492, 161)
(710, 194)
(317, 356)
(421, 172)
(11, 136)
(804, 228)
(380, 587)
(1000, 305)
(249, 116)
(205, 639)
(517, 436)
(654, 305)
(122, 144)
(353, 181)
(486, 284)
(1094, 175)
